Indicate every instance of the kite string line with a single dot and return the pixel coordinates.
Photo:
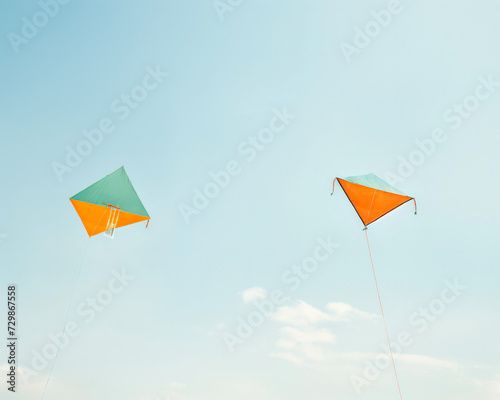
(383, 316)
(69, 307)
(67, 316)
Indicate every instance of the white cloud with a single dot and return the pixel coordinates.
(313, 352)
(252, 294)
(492, 386)
(428, 362)
(410, 360)
(301, 314)
(302, 343)
(310, 335)
(346, 312)
(305, 344)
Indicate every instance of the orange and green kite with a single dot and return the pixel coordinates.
(371, 197)
(110, 203)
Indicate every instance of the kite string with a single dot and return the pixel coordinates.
(67, 316)
(383, 316)
(70, 306)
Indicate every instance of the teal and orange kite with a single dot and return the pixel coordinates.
(371, 197)
(110, 203)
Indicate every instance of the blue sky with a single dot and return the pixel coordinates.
(431, 70)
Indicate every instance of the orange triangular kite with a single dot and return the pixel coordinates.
(371, 197)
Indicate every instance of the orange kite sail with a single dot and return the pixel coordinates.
(371, 197)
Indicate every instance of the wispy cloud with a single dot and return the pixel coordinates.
(301, 314)
(489, 385)
(303, 339)
(309, 335)
(252, 294)
(346, 312)
(303, 342)
(416, 360)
